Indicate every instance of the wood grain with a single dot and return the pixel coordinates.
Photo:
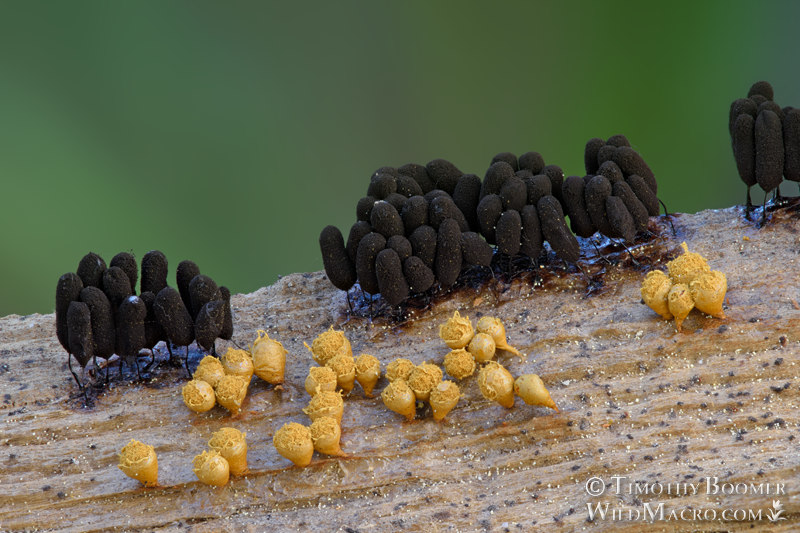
(637, 400)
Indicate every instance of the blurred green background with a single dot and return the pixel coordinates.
(230, 133)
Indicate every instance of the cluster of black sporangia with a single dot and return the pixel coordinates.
(422, 225)
(765, 139)
(98, 313)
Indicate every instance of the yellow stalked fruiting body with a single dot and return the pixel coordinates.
(708, 292)
(198, 396)
(231, 444)
(459, 363)
(368, 372)
(655, 288)
(139, 461)
(687, 266)
(320, 378)
(293, 441)
(269, 358)
(423, 379)
(209, 370)
(325, 434)
(325, 403)
(457, 331)
(231, 391)
(211, 468)
(497, 384)
(328, 345)
(495, 328)
(531, 389)
(237, 363)
(444, 398)
(398, 397)
(680, 303)
(399, 369)
(482, 347)
(345, 368)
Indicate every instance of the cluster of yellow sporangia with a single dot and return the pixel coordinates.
(691, 283)
(226, 380)
(326, 384)
(409, 383)
(469, 348)
(227, 456)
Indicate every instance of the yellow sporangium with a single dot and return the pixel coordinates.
(139, 461)
(269, 358)
(457, 331)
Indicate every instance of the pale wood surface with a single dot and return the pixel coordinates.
(637, 399)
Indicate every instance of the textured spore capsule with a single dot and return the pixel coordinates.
(605, 153)
(531, 236)
(130, 337)
(496, 175)
(508, 157)
(630, 162)
(357, 232)
(475, 250)
(763, 88)
(419, 174)
(116, 286)
(758, 99)
(202, 289)
(386, 220)
(620, 219)
(154, 271)
(532, 161)
(556, 176)
(368, 249)
(634, 206)
(102, 320)
(184, 275)
(769, 105)
(466, 196)
(514, 194)
(590, 152)
(742, 106)
(448, 253)
(489, 210)
(153, 332)
(396, 200)
(128, 264)
(435, 193)
(414, 213)
(418, 275)
(68, 289)
(386, 170)
(174, 317)
(595, 194)
(537, 186)
(769, 150)
(338, 267)
(618, 140)
(444, 174)
(79, 327)
(573, 192)
(555, 231)
(791, 143)
(227, 317)
(401, 245)
(644, 193)
(441, 208)
(364, 208)
(508, 232)
(611, 172)
(90, 270)
(408, 187)
(744, 148)
(208, 325)
(423, 244)
(381, 186)
(391, 281)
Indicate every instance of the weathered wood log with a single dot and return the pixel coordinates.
(637, 400)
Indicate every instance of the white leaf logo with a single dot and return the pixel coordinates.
(774, 514)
